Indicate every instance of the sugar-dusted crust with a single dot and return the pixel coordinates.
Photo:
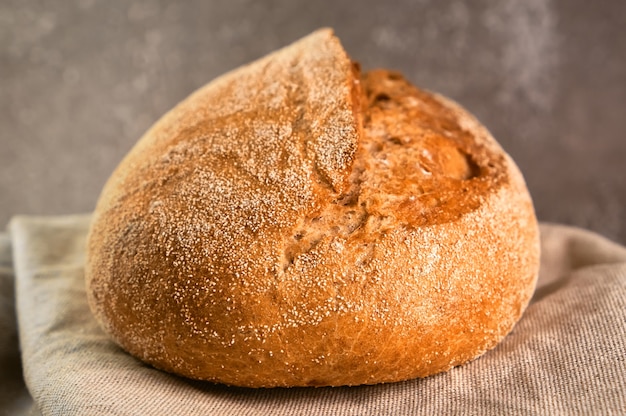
(294, 223)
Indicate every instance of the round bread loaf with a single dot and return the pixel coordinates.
(296, 223)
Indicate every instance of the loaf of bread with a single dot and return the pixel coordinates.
(298, 223)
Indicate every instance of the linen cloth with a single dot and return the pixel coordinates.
(567, 355)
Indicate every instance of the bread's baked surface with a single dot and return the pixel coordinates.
(291, 224)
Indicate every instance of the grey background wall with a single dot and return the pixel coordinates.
(81, 80)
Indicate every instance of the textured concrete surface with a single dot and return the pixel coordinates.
(81, 80)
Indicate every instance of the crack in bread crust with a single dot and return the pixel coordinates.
(414, 166)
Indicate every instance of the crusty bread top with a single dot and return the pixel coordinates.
(293, 196)
(237, 164)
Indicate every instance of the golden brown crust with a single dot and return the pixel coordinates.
(294, 224)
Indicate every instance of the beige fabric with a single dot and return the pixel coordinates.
(566, 356)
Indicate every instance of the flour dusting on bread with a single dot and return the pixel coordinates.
(299, 223)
